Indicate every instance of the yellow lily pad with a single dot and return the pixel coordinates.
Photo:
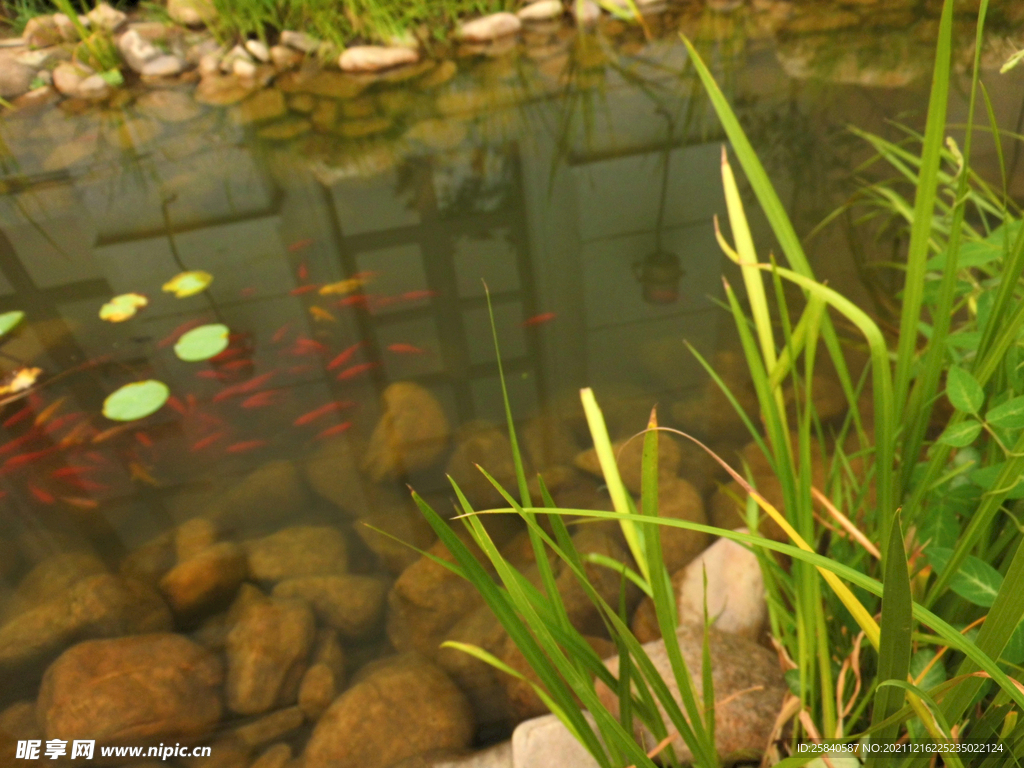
(188, 283)
(122, 307)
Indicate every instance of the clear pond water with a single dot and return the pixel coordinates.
(577, 175)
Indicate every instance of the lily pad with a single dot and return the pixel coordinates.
(136, 400)
(10, 320)
(188, 283)
(122, 307)
(202, 343)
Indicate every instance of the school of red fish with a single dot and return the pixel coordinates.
(64, 456)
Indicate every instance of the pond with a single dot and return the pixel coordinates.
(350, 225)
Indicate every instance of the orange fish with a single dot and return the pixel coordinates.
(81, 432)
(81, 503)
(17, 442)
(337, 429)
(405, 349)
(207, 441)
(319, 313)
(237, 365)
(144, 439)
(245, 445)
(302, 289)
(355, 370)
(47, 412)
(344, 357)
(85, 484)
(246, 293)
(244, 387)
(303, 272)
(298, 245)
(540, 319)
(343, 287)
(323, 410)
(109, 433)
(140, 473)
(261, 399)
(43, 496)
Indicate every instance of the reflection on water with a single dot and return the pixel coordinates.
(577, 177)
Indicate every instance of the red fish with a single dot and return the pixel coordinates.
(85, 484)
(304, 346)
(384, 301)
(262, 399)
(17, 442)
(244, 387)
(405, 349)
(245, 445)
(303, 289)
(43, 496)
(237, 365)
(303, 272)
(26, 458)
(323, 410)
(217, 375)
(174, 335)
(97, 457)
(280, 333)
(247, 293)
(144, 439)
(540, 319)
(19, 416)
(60, 421)
(177, 405)
(207, 441)
(337, 429)
(355, 300)
(344, 357)
(298, 245)
(70, 471)
(417, 295)
(227, 354)
(355, 370)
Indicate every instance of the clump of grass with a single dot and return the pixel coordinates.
(932, 670)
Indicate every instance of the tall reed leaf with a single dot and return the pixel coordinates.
(894, 642)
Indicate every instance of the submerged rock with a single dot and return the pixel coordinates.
(481, 444)
(404, 523)
(318, 689)
(267, 650)
(749, 688)
(305, 550)
(261, 106)
(269, 497)
(399, 710)
(163, 66)
(136, 50)
(269, 727)
(332, 472)
(135, 689)
(353, 605)
(41, 32)
(15, 78)
(300, 41)
(489, 27)
(411, 434)
(735, 594)
(373, 58)
(103, 16)
(205, 582)
(629, 458)
(679, 500)
(191, 13)
(425, 603)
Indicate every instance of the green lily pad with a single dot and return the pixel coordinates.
(202, 343)
(136, 400)
(10, 320)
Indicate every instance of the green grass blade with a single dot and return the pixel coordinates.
(896, 627)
